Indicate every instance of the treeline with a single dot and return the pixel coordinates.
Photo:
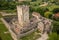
(5, 5)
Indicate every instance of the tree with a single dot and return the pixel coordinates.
(7, 5)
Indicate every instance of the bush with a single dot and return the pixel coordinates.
(56, 27)
(4, 5)
(52, 7)
(48, 14)
(56, 10)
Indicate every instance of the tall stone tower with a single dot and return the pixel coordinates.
(23, 14)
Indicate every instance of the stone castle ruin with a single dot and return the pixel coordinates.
(20, 25)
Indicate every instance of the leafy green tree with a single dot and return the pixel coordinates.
(7, 5)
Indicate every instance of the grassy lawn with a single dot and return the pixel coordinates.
(2, 30)
(31, 36)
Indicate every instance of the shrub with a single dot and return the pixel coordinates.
(48, 14)
(56, 27)
(4, 5)
(56, 10)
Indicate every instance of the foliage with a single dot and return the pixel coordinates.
(47, 14)
(53, 36)
(56, 10)
(40, 10)
(7, 5)
(52, 7)
(24, 3)
(33, 0)
(56, 27)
